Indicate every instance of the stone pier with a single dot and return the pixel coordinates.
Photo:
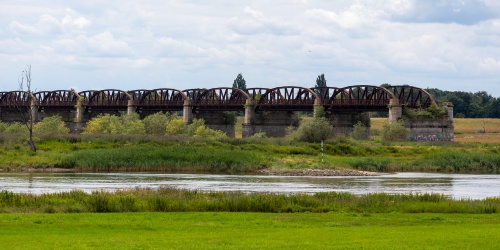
(217, 120)
(343, 122)
(273, 123)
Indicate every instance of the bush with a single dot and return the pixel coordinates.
(132, 125)
(112, 124)
(52, 125)
(394, 132)
(191, 128)
(175, 127)
(314, 130)
(155, 124)
(359, 132)
(3, 127)
(205, 132)
(17, 128)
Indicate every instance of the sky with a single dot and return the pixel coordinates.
(446, 44)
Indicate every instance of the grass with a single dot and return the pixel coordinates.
(176, 200)
(249, 231)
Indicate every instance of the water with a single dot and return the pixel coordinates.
(454, 185)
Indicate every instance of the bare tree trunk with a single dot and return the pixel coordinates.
(28, 114)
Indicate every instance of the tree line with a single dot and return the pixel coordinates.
(468, 104)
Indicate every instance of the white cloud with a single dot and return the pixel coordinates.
(205, 44)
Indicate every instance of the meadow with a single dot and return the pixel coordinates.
(221, 230)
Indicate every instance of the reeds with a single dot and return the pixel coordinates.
(176, 200)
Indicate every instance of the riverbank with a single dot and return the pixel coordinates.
(341, 156)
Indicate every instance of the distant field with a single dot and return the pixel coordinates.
(465, 129)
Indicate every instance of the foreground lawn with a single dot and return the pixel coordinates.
(249, 231)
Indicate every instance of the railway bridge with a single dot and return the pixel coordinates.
(269, 110)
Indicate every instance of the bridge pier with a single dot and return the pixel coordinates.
(431, 129)
(187, 112)
(395, 110)
(217, 120)
(343, 122)
(273, 123)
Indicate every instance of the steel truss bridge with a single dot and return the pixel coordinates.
(286, 98)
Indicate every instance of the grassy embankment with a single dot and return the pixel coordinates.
(249, 231)
(146, 153)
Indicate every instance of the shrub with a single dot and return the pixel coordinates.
(3, 126)
(359, 132)
(175, 127)
(205, 132)
(112, 124)
(17, 128)
(313, 130)
(394, 132)
(52, 125)
(132, 125)
(100, 125)
(191, 128)
(155, 124)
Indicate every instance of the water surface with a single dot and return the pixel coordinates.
(454, 185)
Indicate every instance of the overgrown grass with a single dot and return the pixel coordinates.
(176, 200)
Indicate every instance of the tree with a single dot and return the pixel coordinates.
(320, 81)
(28, 114)
(240, 82)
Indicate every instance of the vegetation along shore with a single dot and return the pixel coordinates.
(197, 148)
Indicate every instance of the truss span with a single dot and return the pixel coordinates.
(56, 99)
(14, 100)
(159, 99)
(105, 99)
(289, 98)
(412, 97)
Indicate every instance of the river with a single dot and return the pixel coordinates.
(457, 186)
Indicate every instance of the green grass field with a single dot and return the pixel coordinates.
(249, 231)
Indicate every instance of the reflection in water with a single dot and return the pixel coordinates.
(453, 185)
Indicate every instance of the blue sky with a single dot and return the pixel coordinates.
(445, 44)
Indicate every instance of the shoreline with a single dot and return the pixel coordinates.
(302, 172)
(319, 172)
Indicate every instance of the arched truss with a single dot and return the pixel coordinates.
(221, 99)
(193, 94)
(16, 99)
(57, 98)
(256, 93)
(105, 98)
(329, 95)
(359, 97)
(288, 98)
(160, 99)
(412, 97)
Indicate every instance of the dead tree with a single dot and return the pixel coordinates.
(28, 113)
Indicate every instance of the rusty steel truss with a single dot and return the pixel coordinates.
(287, 98)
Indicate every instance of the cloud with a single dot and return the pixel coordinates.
(100, 45)
(49, 25)
(205, 44)
(466, 12)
